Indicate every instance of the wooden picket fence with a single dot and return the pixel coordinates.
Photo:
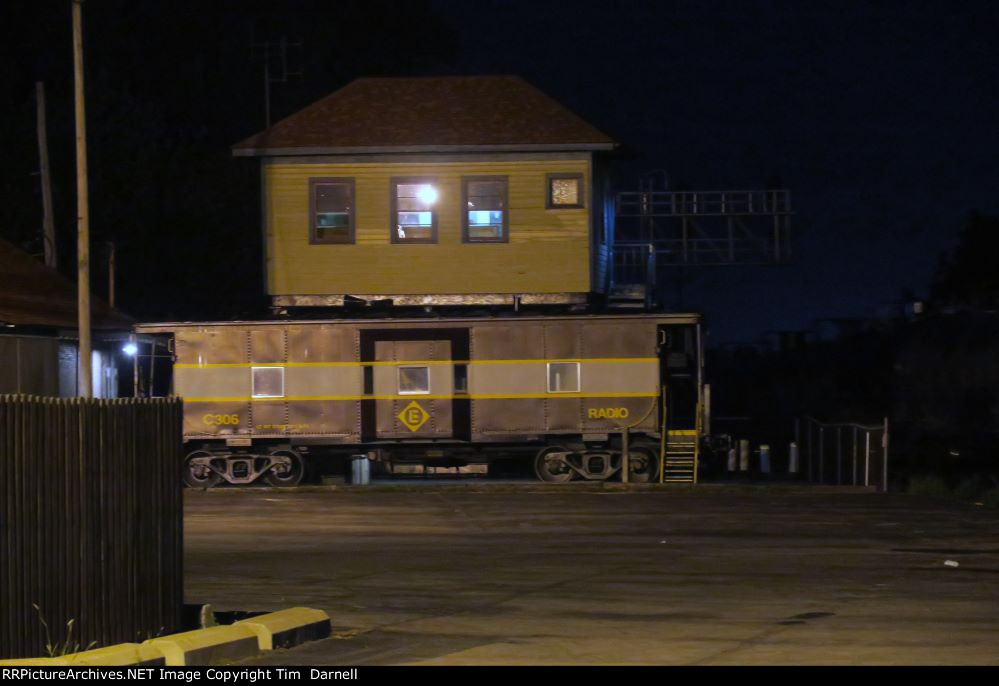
(91, 522)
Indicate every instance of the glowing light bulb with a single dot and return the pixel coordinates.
(427, 194)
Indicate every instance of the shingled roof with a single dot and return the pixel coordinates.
(33, 295)
(440, 114)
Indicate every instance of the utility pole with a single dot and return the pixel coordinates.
(48, 225)
(111, 273)
(82, 209)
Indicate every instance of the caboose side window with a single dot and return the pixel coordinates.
(331, 203)
(485, 218)
(268, 382)
(565, 192)
(414, 380)
(414, 213)
(563, 377)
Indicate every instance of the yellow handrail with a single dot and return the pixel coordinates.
(697, 440)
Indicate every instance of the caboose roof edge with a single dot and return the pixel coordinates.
(166, 327)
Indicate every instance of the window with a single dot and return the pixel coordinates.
(565, 191)
(414, 214)
(461, 379)
(563, 377)
(268, 382)
(414, 380)
(485, 218)
(331, 210)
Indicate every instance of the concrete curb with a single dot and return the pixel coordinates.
(206, 646)
(112, 656)
(246, 638)
(288, 627)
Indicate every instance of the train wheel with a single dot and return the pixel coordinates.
(197, 474)
(286, 473)
(550, 465)
(643, 465)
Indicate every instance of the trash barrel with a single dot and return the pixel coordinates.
(360, 470)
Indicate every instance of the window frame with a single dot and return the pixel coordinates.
(398, 379)
(460, 373)
(549, 200)
(394, 184)
(253, 381)
(465, 181)
(314, 182)
(548, 377)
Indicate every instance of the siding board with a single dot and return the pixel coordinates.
(548, 251)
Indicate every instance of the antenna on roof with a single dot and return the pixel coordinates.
(276, 66)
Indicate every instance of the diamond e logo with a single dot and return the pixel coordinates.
(413, 416)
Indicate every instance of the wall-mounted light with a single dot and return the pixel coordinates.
(130, 349)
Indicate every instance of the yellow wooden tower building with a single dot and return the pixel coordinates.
(432, 191)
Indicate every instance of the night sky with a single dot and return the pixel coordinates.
(883, 120)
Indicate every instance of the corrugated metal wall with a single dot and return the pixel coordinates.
(40, 365)
(90, 521)
(29, 364)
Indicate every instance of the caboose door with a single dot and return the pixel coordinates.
(413, 389)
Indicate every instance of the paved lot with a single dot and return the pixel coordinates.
(519, 575)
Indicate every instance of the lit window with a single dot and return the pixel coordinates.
(563, 377)
(414, 380)
(485, 219)
(414, 214)
(565, 191)
(268, 382)
(332, 209)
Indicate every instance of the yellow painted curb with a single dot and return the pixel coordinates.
(118, 656)
(207, 646)
(36, 662)
(288, 628)
(238, 641)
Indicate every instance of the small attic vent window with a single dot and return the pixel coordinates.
(565, 191)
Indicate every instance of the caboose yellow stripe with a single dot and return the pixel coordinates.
(218, 365)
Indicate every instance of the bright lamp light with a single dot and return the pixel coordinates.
(427, 194)
(130, 349)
